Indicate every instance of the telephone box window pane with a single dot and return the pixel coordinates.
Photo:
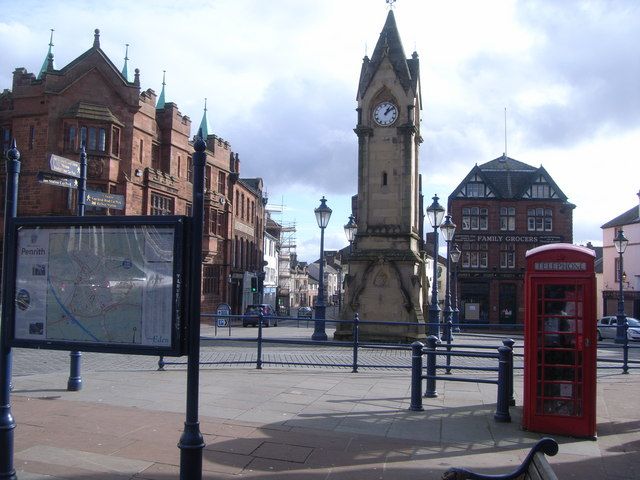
(559, 407)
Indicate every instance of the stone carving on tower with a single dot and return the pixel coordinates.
(386, 277)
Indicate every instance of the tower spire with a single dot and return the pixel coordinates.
(204, 124)
(125, 72)
(45, 64)
(160, 103)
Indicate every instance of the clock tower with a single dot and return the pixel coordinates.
(386, 276)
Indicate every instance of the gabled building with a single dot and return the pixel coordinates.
(139, 148)
(629, 222)
(503, 208)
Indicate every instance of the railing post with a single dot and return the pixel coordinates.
(161, 363)
(431, 391)
(259, 359)
(356, 329)
(449, 328)
(416, 376)
(502, 405)
(508, 342)
(625, 349)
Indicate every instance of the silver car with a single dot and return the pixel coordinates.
(607, 327)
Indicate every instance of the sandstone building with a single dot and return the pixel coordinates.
(138, 146)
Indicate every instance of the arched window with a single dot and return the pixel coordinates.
(384, 179)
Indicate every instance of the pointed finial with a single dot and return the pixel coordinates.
(13, 153)
(204, 123)
(136, 79)
(47, 65)
(125, 71)
(96, 38)
(390, 3)
(161, 100)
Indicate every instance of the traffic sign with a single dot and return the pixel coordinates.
(105, 200)
(64, 165)
(223, 309)
(56, 180)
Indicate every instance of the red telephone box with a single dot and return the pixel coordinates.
(560, 341)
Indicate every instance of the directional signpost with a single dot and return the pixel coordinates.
(63, 165)
(105, 200)
(56, 180)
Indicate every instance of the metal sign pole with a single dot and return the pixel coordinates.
(7, 423)
(191, 442)
(74, 383)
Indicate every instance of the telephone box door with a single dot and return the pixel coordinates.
(560, 341)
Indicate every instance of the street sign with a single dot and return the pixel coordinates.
(105, 200)
(65, 166)
(56, 180)
(223, 309)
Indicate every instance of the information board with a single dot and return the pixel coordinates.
(91, 284)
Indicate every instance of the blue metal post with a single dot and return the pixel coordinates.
(449, 327)
(416, 376)
(456, 310)
(259, 359)
(434, 308)
(432, 342)
(191, 442)
(509, 343)
(7, 423)
(448, 311)
(502, 405)
(625, 349)
(161, 363)
(74, 383)
(356, 329)
(621, 318)
(318, 328)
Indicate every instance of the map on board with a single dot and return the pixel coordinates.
(110, 285)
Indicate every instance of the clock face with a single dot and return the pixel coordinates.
(385, 114)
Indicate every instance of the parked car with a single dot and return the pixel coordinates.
(252, 314)
(305, 312)
(607, 327)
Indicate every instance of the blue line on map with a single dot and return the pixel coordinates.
(75, 320)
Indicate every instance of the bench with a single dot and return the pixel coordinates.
(534, 467)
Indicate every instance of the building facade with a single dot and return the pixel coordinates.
(629, 222)
(139, 148)
(502, 209)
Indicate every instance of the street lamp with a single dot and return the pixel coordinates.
(621, 243)
(350, 229)
(448, 231)
(323, 214)
(455, 257)
(435, 212)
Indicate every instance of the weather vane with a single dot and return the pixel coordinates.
(390, 3)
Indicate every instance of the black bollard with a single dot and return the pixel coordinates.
(502, 405)
(161, 363)
(431, 391)
(416, 376)
(259, 359)
(508, 342)
(356, 328)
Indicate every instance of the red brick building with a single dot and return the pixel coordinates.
(502, 209)
(138, 146)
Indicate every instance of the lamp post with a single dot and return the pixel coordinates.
(621, 243)
(448, 231)
(455, 257)
(323, 214)
(435, 212)
(350, 230)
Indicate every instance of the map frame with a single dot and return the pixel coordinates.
(174, 314)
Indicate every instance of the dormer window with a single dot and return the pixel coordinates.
(474, 189)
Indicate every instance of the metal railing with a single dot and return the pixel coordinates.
(504, 381)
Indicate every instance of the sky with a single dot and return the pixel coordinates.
(280, 78)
